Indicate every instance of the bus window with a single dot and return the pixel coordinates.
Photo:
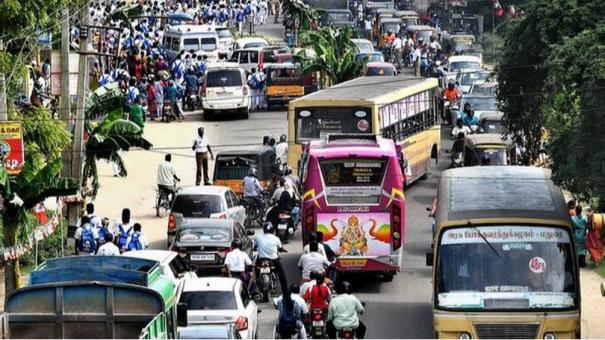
(316, 123)
(353, 180)
(208, 44)
(191, 44)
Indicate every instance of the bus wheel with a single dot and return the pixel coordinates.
(388, 276)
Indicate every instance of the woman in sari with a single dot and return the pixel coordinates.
(593, 241)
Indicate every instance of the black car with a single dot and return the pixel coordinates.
(204, 243)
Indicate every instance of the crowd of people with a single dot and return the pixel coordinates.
(96, 236)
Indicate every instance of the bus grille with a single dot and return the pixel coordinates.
(506, 331)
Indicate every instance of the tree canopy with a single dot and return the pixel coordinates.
(551, 77)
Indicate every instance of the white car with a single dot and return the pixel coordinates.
(173, 266)
(200, 202)
(250, 42)
(225, 89)
(220, 300)
(468, 79)
(247, 58)
(463, 63)
(363, 45)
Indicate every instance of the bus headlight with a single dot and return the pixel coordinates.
(464, 336)
(549, 336)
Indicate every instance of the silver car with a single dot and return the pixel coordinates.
(200, 202)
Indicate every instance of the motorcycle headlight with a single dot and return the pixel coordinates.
(438, 63)
(549, 336)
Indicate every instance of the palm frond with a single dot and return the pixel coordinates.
(119, 162)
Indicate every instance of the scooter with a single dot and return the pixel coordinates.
(191, 100)
(318, 324)
(267, 280)
(284, 227)
(457, 160)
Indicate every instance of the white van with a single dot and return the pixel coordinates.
(225, 41)
(203, 40)
(224, 89)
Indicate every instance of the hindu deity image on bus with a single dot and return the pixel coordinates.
(356, 234)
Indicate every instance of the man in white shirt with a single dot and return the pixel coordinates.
(92, 217)
(167, 177)
(397, 46)
(108, 248)
(236, 260)
(367, 24)
(202, 150)
(312, 261)
(281, 151)
(416, 55)
(268, 246)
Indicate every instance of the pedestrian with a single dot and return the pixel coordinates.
(86, 238)
(159, 98)
(594, 242)
(108, 248)
(202, 150)
(255, 81)
(367, 24)
(92, 217)
(123, 229)
(136, 113)
(416, 58)
(136, 241)
(152, 109)
(103, 230)
(580, 223)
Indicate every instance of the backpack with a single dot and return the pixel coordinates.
(240, 16)
(288, 321)
(123, 237)
(88, 244)
(103, 231)
(254, 82)
(132, 96)
(176, 70)
(135, 242)
(248, 10)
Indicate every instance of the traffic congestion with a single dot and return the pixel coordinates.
(263, 193)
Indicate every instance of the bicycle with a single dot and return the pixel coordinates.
(163, 201)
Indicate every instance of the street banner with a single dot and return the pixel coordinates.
(11, 146)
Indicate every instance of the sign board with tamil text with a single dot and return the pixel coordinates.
(11, 146)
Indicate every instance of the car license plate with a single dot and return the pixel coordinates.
(265, 270)
(203, 257)
(282, 226)
(318, 323)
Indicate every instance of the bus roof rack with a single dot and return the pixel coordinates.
(351, 138)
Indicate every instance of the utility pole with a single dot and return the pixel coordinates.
(74, 209)
(3, 105)
(65, 109)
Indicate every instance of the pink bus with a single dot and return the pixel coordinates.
(353, 193)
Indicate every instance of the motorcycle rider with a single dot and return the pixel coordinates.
(268, 245)
(452, 95)
(166, 179)
(466, 147)
(191, 84)
(291, 316)
(344, 311)
(236, 265)
(312, 261)
(253, 189)
(460, 128)
(318, 295)
(433, 44)
(470, 119)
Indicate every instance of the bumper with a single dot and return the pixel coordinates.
(361, 264)
(221, 105)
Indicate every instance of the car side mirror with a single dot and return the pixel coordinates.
(429, 259)
(249, 232)
(181, 315)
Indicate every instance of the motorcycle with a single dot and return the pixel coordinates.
(457, 160)
(254, 213)
(436, 69)
(191, 100)
(389, 53)
(168, 113)
(318, 324)
(284, 226)
(347, 332)
(450, 111)
(268, 282)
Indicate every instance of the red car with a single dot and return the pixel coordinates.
(379, 69)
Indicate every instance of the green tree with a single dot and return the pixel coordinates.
(300, 15)
(112, 135)
(551, 77)
(44, 139)
(334, 55)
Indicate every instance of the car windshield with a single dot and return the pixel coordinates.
(394, 27)
(468, 79)
(336, 17)
(224, 33)
(380, 71)
(492, 126)
(491, 156)
(209, 300)
(410, 21)
(505, 268)
(484, 89)
(197, 205)
(482, 103)
(235, 167)
(458, 66)
(205, 235)
(224, 78)
(257, 44)
(364, 47)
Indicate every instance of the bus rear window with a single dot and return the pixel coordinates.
(317, 122)
(353, 180)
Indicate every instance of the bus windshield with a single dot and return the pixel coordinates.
(316, 123)
(506, 268)
(353, 180)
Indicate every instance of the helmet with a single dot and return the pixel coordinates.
(390, 32)
(236, 244)
(451, 84)
(252, 172)
(282, 138)
(268, 227)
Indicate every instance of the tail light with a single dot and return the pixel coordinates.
(222, 216)
(317, 316)
(171, 223)
(241, 324)
(265, 264)
(396, 218)
(346, 334)
(309, 220)
(245, 90)
(283, 216)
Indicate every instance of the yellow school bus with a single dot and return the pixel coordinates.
(504, 265)
(403, 108)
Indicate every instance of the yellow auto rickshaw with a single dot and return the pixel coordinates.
(284, 83)
(232, 166)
